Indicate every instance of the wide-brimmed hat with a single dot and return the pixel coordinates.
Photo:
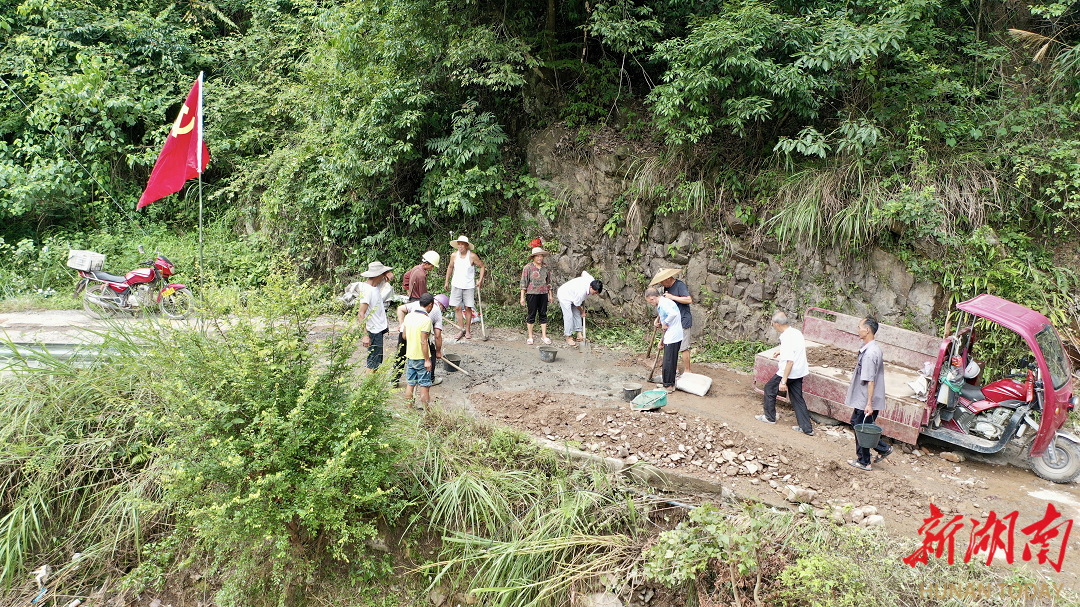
(376, 268)
(664, 274)
(431, 257)
(538, 251)
(464, 239)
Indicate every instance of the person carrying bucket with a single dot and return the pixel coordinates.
(462, 283)
(866, 395)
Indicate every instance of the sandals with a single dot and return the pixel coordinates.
(570, 342)
(856, 464)
(547, 341)
(529, 341)
(882, 456)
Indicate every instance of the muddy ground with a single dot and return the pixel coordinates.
(577, 399)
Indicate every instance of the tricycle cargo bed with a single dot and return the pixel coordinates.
(825, 388)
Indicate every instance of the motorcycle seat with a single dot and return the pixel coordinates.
(1010, 404)
(109, 277)
(972, 392)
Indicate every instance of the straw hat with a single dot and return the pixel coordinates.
(431, 257)
(376, 268)
(538, 251)
(664, 274)
(464, 239)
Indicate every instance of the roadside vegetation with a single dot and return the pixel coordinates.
(244, 461)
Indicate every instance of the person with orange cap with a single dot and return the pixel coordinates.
(536, 293)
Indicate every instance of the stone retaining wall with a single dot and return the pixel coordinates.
(736, 283)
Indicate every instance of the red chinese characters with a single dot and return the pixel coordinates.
(993, 535)
(1043, 533)
(937, 537)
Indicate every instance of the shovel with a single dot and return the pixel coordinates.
(584, 346)
(648, 352)
(659, 351)
(480, 309)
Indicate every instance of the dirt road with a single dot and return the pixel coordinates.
(577, 399)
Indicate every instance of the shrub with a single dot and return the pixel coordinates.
(279, 458)
(819, 581)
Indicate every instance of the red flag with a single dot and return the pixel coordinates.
(185, 154)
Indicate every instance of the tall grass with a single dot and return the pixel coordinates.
(79, 472)
(518, 528)
(243, 438)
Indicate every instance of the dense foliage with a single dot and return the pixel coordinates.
(944, 129)
(250, 448)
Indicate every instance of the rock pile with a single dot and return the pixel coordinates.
(848, 514)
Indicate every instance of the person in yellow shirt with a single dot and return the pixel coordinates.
(419, 365)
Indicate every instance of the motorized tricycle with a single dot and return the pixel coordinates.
(932, 386)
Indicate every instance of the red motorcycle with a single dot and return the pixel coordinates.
(105, 295)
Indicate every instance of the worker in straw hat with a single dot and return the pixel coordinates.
(676, 291)
(462, 283)
(415, 280)
(536, 293)
(372, 310)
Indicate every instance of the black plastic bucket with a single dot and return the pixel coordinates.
(454, 358)
(868, 435)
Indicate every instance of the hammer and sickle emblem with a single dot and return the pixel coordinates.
(182, 129)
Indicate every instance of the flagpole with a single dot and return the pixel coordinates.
(198, 155)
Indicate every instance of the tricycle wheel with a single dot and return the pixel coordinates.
(1068, 463)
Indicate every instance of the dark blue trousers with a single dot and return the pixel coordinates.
(862, 453)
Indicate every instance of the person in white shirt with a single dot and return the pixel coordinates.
(462, 283)
(572, 296)
(372, 311)
(669, 319)
(791, 369)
